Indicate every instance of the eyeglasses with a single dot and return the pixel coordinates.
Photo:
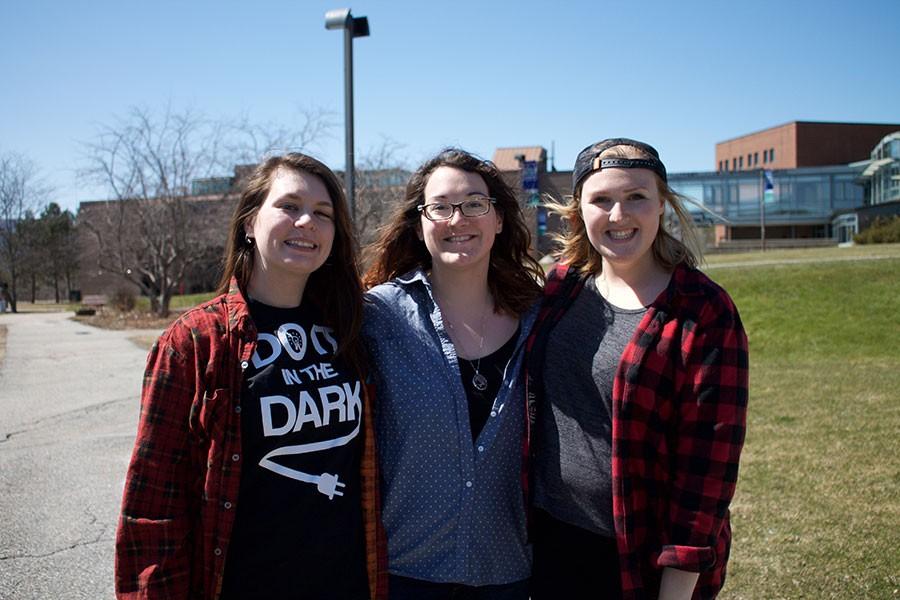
(474, 206)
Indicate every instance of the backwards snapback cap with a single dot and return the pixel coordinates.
(589, 160)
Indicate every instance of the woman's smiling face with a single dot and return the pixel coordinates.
(293, 230)
(621, 210)
(460, 242)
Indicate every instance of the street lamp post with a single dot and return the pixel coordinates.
(353, 27)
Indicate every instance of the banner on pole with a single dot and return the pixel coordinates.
(768, 187)
(530, 176)
(541, 221)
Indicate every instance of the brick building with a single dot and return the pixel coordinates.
(209, 216)
(801, 144)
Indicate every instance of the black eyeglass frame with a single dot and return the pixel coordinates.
(454, 206)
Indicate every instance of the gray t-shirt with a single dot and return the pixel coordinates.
(573, 474)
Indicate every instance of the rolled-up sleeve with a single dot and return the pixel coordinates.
(711, 425)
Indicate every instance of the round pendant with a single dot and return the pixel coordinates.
(479, 381)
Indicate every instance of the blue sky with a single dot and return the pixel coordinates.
(680, 75)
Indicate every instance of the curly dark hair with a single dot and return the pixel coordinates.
(514, 276)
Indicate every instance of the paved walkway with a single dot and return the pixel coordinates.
(69, 402)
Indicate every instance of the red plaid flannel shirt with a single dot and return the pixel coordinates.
(679, 417)
(182, 484)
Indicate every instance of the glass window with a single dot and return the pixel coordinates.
(740, 162)
(756, 158)
(733, 164)
(894, 150)
(771, 154)
(799, 198)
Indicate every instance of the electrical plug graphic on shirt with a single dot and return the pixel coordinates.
(328, 485)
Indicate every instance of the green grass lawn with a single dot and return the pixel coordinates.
(817, 511)
(177, 303)
(142, 303)
(807, 255)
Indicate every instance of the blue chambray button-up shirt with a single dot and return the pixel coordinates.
(453, 509)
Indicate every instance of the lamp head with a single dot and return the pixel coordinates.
(337, 18)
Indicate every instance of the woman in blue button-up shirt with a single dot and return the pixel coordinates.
(446, 324)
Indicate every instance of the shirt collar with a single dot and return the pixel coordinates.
(416, 275)
(238, 312)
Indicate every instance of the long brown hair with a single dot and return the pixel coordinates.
(335, 286)
(513, 274)
(575, 248)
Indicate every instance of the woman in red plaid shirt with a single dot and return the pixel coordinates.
(637, 395)
(253, 473)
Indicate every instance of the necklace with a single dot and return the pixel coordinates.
(479, 381)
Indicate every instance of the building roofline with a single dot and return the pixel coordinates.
(797, 122)
(188, 198)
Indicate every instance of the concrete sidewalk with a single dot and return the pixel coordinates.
(69, 402)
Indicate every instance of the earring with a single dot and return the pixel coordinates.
(248, 239)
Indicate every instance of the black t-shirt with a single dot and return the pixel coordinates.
(298, 530)
(492, 367)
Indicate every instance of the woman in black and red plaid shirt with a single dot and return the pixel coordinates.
(253, 473)
(637, 394)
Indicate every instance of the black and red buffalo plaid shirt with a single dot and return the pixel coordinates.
(679, 417)
(183, 481)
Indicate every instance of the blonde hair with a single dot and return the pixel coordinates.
(575, 249)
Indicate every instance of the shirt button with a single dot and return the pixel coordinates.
(228, 505)
(481, 448)
(217, 552)
(237, 409)
(468, 484)
(235, 457)
(493, 413)
(244, 364)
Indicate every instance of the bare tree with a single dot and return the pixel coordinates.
(154, 229)
(246, 141)
(146, 232)
(381, 178)
(20, 191)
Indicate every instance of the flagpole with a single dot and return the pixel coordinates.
(762, 209)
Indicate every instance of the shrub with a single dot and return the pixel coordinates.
(123, 301)
(884, 230)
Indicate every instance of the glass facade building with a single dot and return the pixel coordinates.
(882, 176)
(801, 203)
